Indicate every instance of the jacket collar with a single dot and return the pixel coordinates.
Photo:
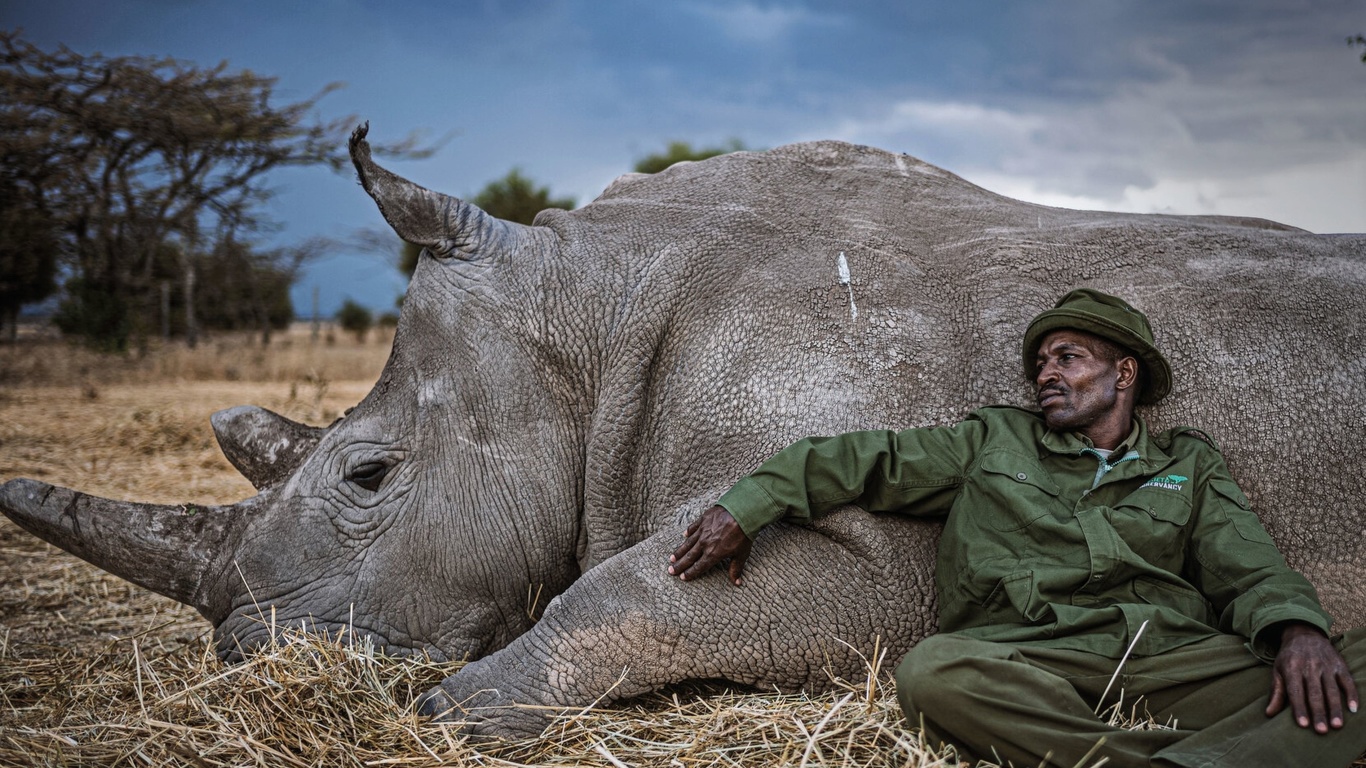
(1151, 456)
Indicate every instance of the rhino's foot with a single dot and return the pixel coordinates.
(483, 715)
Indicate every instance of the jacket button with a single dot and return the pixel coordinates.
(1021, 476)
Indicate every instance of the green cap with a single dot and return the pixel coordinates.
(1108, 317)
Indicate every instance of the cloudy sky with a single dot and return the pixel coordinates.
(1246, 107)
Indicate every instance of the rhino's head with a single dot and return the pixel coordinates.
(438, 515)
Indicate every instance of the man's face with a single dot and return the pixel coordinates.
(1077, 385)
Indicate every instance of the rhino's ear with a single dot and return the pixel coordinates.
(447, 226)
(264, 446)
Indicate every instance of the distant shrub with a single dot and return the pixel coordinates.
(355, 319)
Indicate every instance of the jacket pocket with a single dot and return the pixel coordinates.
(1013, 600)
(1182, 599)
(1018, 489)
(1240, 513)
(1154, 526)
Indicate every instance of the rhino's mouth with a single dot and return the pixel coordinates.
(253, 628)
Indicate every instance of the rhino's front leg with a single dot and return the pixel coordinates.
(491, 698)
(816, 601)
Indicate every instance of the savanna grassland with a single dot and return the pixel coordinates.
(97, 671)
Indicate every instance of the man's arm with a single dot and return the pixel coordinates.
(1312, 677)
(1259, 596)
(916, 471)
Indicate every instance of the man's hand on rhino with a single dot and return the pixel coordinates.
(713, 537)
(1312, 677)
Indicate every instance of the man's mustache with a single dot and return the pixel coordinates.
(1048, 392)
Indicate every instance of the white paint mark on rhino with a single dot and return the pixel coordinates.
(842, 264)
(901, 165)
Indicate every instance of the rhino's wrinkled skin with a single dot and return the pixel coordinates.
(561, 399)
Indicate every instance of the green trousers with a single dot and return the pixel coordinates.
(1027, 704)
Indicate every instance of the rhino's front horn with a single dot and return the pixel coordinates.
(264, 446)
(166, 549)
(445, 225)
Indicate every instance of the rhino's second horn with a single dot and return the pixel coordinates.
(264, 446)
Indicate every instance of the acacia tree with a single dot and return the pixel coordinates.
(131, 153)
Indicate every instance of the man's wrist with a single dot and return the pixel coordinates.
(1265, 641)
(1292, 629)
(750, 506)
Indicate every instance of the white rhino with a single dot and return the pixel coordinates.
(562, 399)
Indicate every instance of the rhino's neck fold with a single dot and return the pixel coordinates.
(163, 548)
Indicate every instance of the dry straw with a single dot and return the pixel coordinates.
(305, 701)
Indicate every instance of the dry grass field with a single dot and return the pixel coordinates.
(96, 671)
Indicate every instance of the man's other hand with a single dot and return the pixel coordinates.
(1312, 677)
(713, 537)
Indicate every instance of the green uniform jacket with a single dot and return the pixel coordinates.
(1044, 541)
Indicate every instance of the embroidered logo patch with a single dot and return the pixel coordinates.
(1170, 482)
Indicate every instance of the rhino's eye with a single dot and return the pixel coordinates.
(369, 475)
